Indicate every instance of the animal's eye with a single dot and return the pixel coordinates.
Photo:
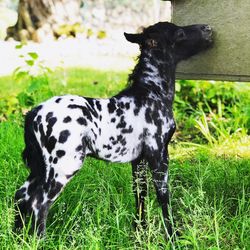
(180, 35)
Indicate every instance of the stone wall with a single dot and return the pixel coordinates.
(124, 14)
(229, 57)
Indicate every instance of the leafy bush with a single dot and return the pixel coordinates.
(205, 94)
(36, 76)
(217, 109)
(8, 105)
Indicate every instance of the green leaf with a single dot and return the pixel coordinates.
(33, 55)
(20, 75)
(17, 70)
(30, 62)
(25, 99)
(19, 46)
(34, 86)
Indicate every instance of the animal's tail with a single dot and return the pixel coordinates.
(32, 153)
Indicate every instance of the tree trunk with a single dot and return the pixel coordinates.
(42, 19)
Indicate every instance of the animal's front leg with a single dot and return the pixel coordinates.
(159, 169)
(139, 189)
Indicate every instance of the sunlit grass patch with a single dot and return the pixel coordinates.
(238, 148)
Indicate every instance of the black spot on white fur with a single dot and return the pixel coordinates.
(64, 136)
(82, 121)
(48, 116)
(111, 106)
(67, 119)
(58, 100)
(55, 160)
(60, 153)
(50, 143)
(51, 122)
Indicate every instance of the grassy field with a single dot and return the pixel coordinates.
(209, 173)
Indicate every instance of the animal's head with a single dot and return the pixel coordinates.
(181, 41)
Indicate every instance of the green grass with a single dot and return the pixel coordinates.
(210, 186)
(74, 81)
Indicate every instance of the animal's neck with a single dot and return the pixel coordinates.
(156, 71)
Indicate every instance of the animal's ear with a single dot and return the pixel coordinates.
(179, 35)
(134, 38)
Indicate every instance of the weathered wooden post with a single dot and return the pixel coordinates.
(230, 57)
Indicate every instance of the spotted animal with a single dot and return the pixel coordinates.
(133, 126)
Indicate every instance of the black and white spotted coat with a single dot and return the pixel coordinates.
(136, 124)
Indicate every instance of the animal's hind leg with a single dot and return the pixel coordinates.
(22, 197)
(139, 189)
(58, 176)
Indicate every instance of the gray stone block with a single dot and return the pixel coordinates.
(229, 59)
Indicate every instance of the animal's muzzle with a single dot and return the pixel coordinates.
(207, 33)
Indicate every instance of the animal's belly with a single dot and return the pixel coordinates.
(117, 147)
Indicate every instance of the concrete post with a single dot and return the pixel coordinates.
(229, 59)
